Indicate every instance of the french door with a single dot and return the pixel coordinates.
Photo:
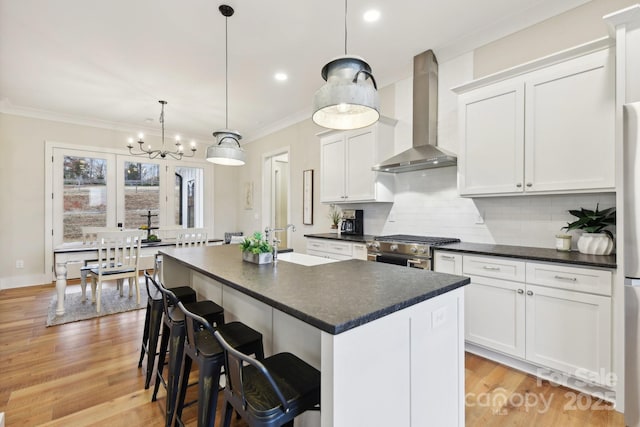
(93, 188)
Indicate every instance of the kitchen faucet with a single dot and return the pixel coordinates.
(267, 233)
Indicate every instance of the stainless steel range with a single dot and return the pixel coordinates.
(407, 250)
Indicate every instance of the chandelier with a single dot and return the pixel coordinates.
(345, 101)
(227, 151)
(163, 153)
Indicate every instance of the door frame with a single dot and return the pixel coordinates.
(267, 159)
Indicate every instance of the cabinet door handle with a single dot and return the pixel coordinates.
(571, 279)
(529, 293)
(519, 185)
(520, 291)
(486, 267)
(529, 184)
(447, 257)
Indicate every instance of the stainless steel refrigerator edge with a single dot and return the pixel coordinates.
(632, 262)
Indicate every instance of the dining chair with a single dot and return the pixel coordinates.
(185, 237)
(191, 237)
(90, 237)
(118, 259)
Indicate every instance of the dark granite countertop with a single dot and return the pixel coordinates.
(362, 238)
(333, 297)
(536, 254)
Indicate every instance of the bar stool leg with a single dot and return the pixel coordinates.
(152, 345)
(176, 348)
(184, 384)
(164, 343)
(145, 334)
(209, 379)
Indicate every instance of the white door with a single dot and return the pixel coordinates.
(361, 155)
(491, 139)
(582, 345)
(332, 169)
(494, 315)
(570, 121)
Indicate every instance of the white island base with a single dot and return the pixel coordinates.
(403, 369)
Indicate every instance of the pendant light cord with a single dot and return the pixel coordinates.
(226, 72)
(345, 27)
(162, 122)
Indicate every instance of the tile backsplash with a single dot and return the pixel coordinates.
(427, 203)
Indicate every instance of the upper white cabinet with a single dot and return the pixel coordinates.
(346, 158)
(550, 130)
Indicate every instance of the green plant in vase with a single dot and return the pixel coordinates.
(335, 215)
(595, 239)
(256, 249)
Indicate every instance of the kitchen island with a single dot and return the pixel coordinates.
(388, 340)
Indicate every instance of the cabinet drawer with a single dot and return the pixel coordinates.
(339, 248)
(501, 268)
(360, 251)
(447, 262)
(570, 278)
(316, 245)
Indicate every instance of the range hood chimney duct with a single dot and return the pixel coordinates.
(424, 153)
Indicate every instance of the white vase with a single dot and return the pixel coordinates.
(595, 244)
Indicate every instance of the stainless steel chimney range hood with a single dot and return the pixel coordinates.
(424, 153)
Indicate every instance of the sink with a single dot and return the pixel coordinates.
(303, 259)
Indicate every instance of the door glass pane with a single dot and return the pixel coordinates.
(141, 193)
(84, 195)
(189, 203)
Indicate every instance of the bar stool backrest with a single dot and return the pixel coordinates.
(196, 324)
(169, 300)
(234, 362)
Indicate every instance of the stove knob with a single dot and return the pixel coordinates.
(376, 245)
(393, 248)
(421, 250)
(413, 249)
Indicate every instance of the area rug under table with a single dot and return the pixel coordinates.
(76, 309)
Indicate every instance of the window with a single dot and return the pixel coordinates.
(141, 193)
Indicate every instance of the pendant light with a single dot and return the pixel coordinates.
(227, 150)
(347, 100)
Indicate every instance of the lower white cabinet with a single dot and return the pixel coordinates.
(569, 331)
(336, 249)
(494, 315)
(555, 316)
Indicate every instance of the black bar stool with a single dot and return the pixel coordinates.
(202, 347)
(152, 320)
(173, 336)
(267, 393)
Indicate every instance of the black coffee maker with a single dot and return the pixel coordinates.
(352, 222)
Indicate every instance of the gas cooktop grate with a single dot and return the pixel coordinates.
(425, 240)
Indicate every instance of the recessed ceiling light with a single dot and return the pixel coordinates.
(281, 77)
(371, 15)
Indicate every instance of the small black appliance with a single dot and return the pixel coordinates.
(352, 222)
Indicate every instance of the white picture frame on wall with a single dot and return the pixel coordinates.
(248, 195)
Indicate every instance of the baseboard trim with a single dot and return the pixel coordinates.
(24, 281)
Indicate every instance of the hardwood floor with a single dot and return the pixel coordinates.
(86, 374)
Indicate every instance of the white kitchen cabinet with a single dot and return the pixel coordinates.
(547, 131)
(494, 303)
(447, 262)
(346, 158)
(569, 331)
(551, 315)
(359, 251)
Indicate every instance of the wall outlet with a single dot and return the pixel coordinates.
(439, 317)
(19, 263)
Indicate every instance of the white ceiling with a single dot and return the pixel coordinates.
(111, 61)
